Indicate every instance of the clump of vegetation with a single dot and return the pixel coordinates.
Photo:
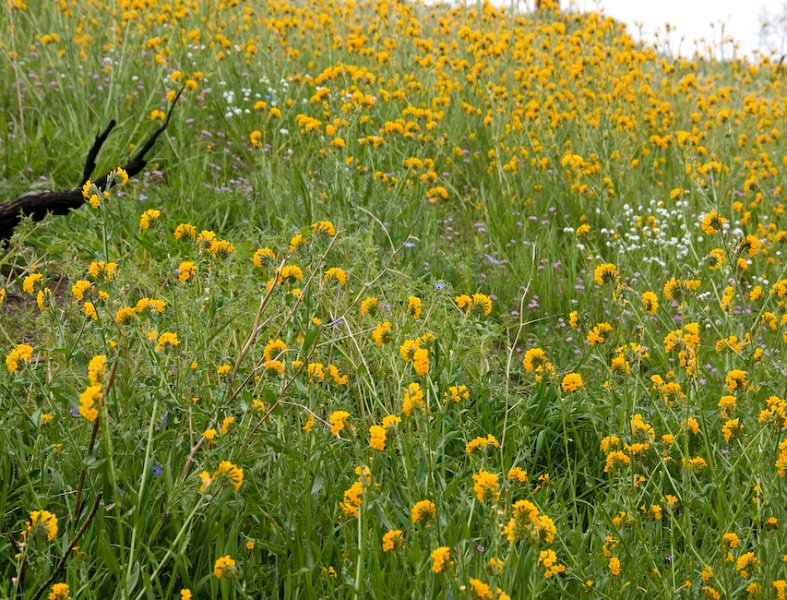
(417, 300)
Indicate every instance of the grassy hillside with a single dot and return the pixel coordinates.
(411, 301)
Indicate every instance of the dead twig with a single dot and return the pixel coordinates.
(63, 559)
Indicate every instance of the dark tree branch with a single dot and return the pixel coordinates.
(138, 162)
(39, 204)
(78, 506)
(63, 559)
(90, 163)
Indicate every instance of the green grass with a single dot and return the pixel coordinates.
(558, 88)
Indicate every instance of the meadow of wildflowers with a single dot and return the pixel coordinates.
(414, 301)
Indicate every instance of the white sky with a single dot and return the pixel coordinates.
(692, 19)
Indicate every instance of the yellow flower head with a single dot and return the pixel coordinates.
(572, 382)
(441, 559)
(423, 512)
(526, 519)
(414, 306)
(678, 289)
(337, 377)
(22, 353)
(369, 305)
(274, 349)
(736, 379)
(477, 303)
(614, 566)
(457, 393)
(464, 302)
(88, 189)
(148, 217)
(480, 590)
(336, 274)
(97, 369)
(59, 591)
(382, 333)
(413, 398)
(166, 341)
(324, 228)
(650, 303)
(30, 283)
(105, 270)
(290, 274)
(421, 361)
(746, 563)
(79, 288)
(407, 350)
(391, 421)
(535, 359)
(377, 435)
(713, 223)
(186, 230)
(224, 567)
(548, 560)
(481, 443)
(228, 422)
(353, 499)
(750, 245)
(732, 429)
(220, 248)
(296, 242)
(150, 306)
(482, 304)
(227, 475)
(264, 256)
(616, 460)
(119, 175)
(605, 273)
(338, 420)
(517, 475)
(486, 486)
(392, 540)
(42, 522)
(88, 400)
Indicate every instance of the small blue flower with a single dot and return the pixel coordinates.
(157, 470)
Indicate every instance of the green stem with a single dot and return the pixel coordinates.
(141, 492)
(170, 551)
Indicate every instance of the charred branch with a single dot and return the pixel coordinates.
(39, 204)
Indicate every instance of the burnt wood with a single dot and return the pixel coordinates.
(39, 204)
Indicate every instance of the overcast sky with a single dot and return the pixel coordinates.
(692, 19)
